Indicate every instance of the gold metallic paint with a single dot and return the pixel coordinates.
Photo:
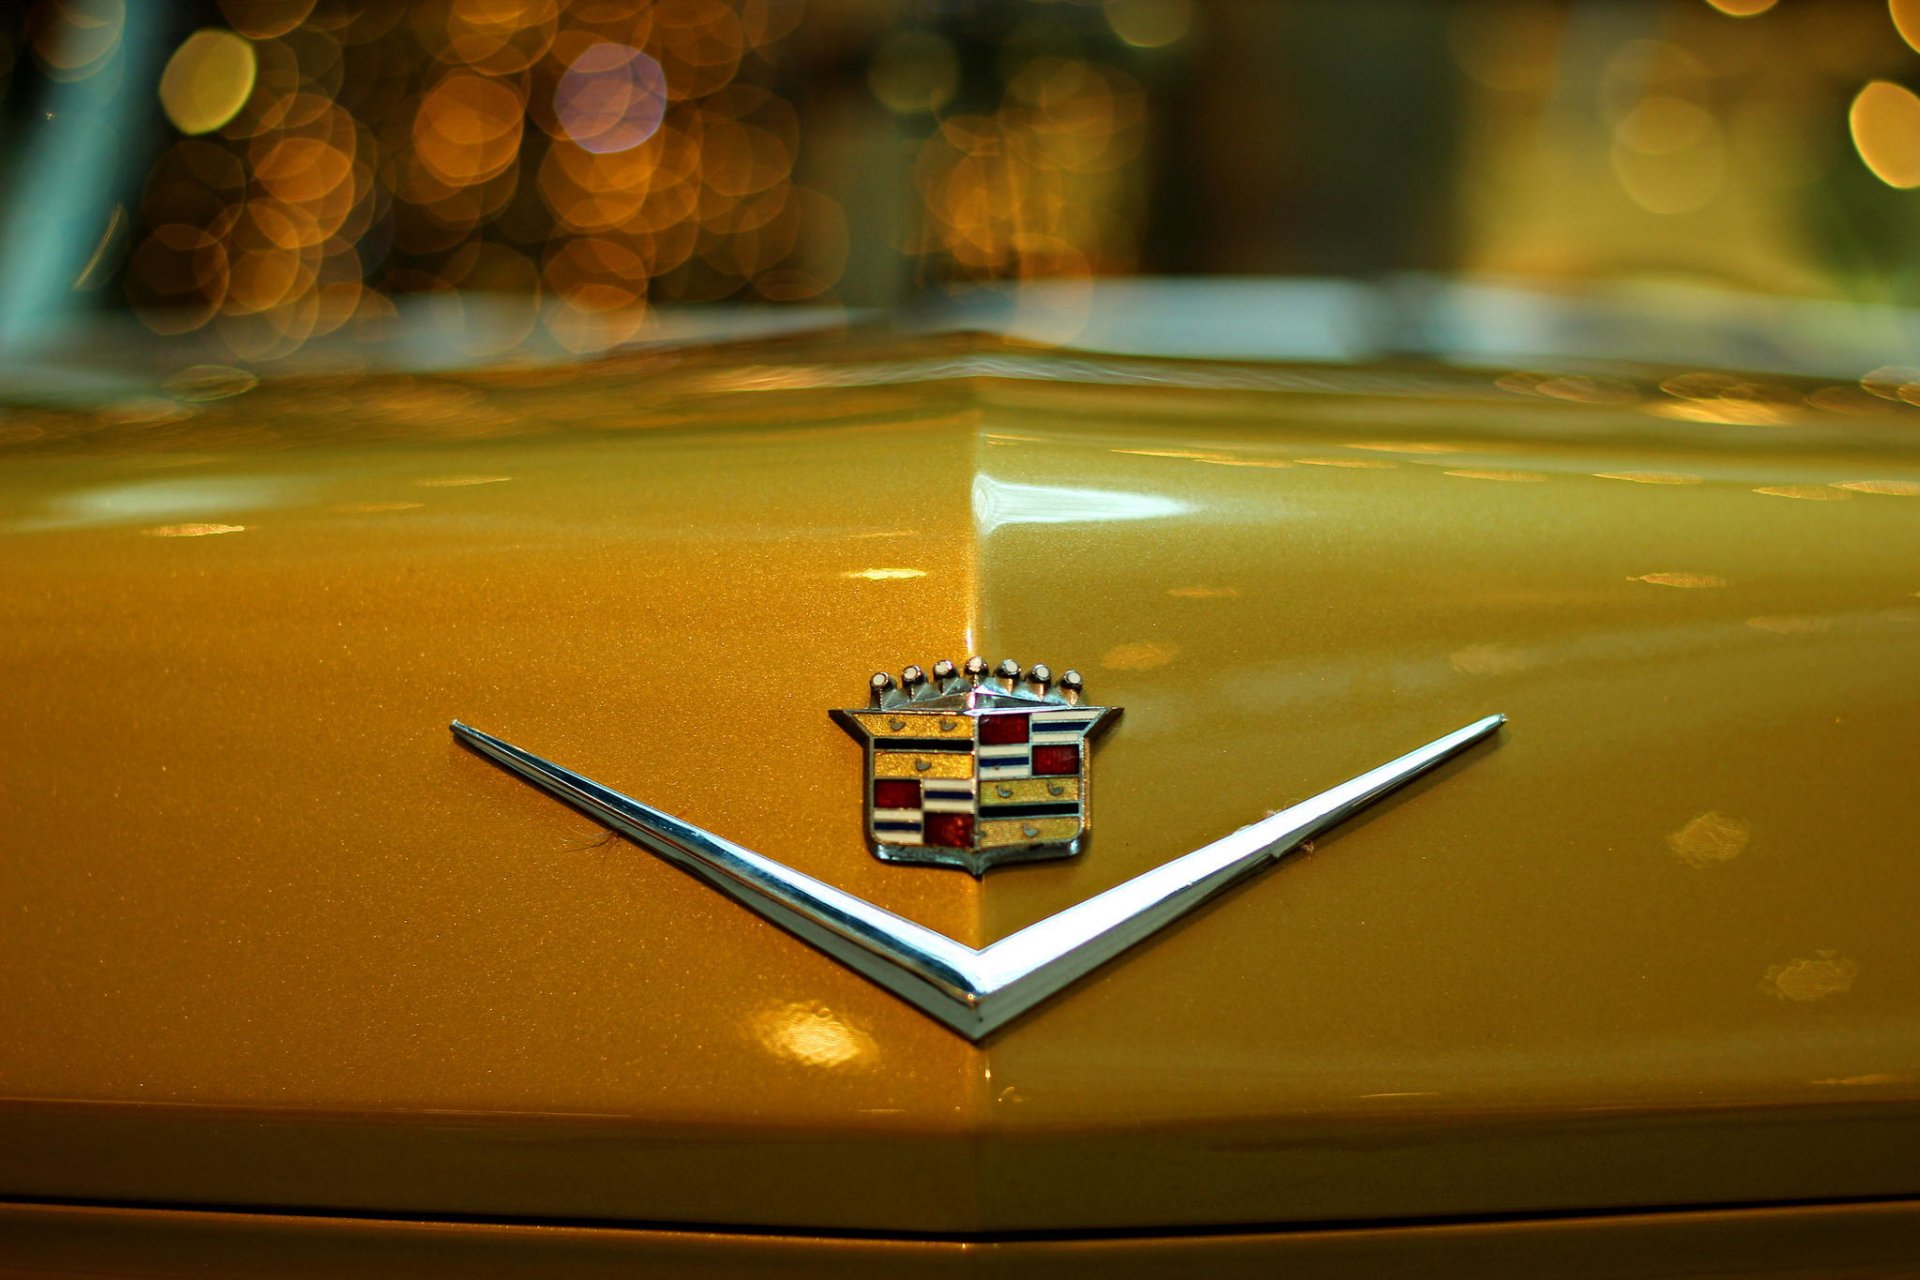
(275, 940)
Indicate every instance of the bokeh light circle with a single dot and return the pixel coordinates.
(612, 98)
(1885, 123)
(207, 80)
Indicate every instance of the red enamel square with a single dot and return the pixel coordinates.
(1000, 731)
(1056, 760)
(896, 793)
(948, 830)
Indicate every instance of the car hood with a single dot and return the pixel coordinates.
(274, 939)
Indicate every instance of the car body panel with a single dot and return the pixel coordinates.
(280, 942)
(1827, 1242)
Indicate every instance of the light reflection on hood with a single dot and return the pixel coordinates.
(997, 503)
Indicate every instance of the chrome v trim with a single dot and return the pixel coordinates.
(974, 991)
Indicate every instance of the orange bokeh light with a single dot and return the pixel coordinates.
(385, 151)
(468, 128)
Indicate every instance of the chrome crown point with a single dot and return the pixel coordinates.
(1040, 677)
(1008, 673)
(976, 670)
(879, 687)
(912, 679)
(1071, 686)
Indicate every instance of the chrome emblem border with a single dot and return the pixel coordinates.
(975, 991)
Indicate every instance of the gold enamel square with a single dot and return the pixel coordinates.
(922, 764)
(915, 724)
(1030, 790)
(1002, 832)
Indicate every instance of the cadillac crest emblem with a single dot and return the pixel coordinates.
(971, 767)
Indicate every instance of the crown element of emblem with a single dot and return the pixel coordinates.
(975, 766)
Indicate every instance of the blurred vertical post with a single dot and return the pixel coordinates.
(62, 192)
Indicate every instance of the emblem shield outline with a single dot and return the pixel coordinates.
(1013, 802)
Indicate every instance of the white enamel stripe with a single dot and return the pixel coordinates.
(1006, 762)
(882, 820)
(1056, 728)
(948, 795)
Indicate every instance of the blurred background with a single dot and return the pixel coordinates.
(338, 183)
